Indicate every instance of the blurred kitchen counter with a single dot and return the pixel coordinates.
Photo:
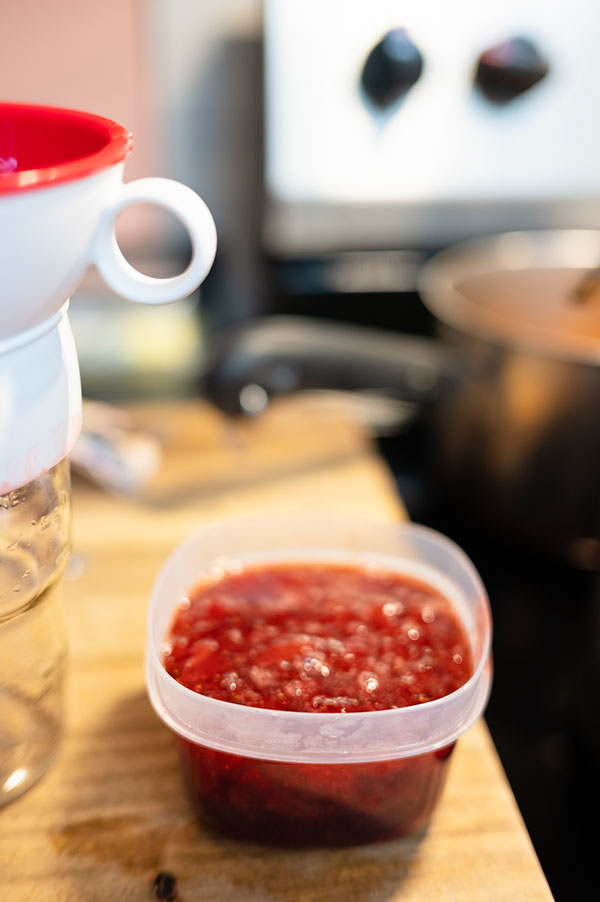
(112, 812)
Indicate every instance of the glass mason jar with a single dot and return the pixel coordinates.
(34, 549)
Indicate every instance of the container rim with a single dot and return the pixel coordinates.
(73, 144)
(319, 737)
(440, 277)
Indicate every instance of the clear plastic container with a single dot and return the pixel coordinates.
(310, 777)
(34, 548)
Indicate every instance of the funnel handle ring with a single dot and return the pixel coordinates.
(194, 215)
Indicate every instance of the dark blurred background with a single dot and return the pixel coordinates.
(331, 182)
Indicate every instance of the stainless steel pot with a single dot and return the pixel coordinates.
(511, 389)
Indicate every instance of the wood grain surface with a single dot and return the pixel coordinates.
(112, 811)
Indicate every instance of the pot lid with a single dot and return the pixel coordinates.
(539, 291)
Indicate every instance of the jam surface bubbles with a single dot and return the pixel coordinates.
(318, 637)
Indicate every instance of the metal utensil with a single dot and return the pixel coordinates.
(587, 286)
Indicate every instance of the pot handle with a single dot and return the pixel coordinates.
(264, 358)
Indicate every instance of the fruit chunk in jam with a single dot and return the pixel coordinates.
(311, 637)
(317, 637)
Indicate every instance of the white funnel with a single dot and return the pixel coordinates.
(61, 192)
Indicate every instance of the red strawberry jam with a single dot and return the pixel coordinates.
(317, 637)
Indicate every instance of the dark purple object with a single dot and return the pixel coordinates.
(509, 69)
(391, 68)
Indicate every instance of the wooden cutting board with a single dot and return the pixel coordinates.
(112, 812)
